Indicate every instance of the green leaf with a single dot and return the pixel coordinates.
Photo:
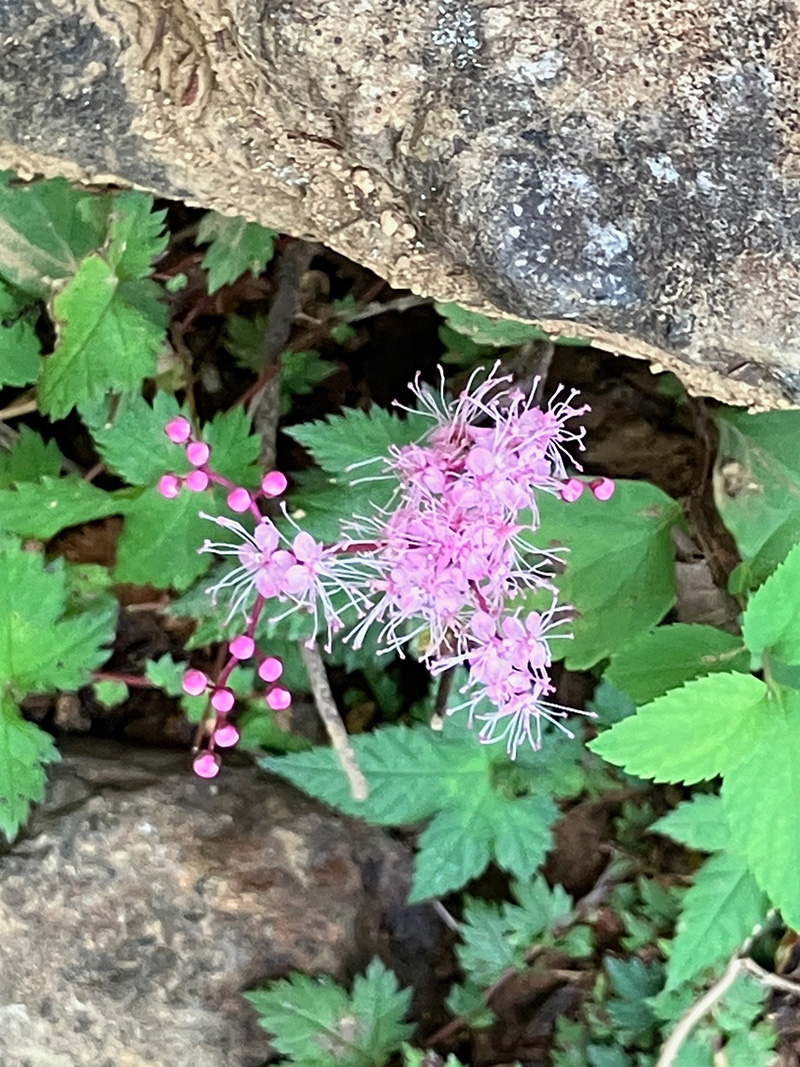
(41, 509)
(20, 353)
(772, 620)
(619, 573)
(110, 332)
(761, 795)
(45, 229)
(757, 486)
(633, 981)
(655, 662)
(355, 436)
(33, 616)
(719, 913)
(693, 733)
(454, 849)
(24, 752)
(136, 235)
(160, 541)
(415, 774)
(499, 333)
(234, 447)
(129, 435)
(699, 823)
(110, 693)
(315, 1023)
(411, 773)
(166, 674)
(29, 458)
(235, 246)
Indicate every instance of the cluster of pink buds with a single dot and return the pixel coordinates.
(220, 732)
(451, 561)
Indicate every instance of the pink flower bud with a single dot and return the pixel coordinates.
(194, 683)
(226, 736)
(242, 647)
(206, 765)
(572, 489)
(239, 500)
(279, 699)
(197, 453)
(270, 670)
(178, 430)
(197, 481)
(169, 486)
(274, 483)
(222, 700)
(603, 488)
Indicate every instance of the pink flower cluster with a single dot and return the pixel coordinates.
(450, 562)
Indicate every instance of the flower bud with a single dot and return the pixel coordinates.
(169, 486)
(178, 430)
(226, 735)
(279, 699)
(197, 481)
(572, 489)
(603, 488)
(239, 500)
(197, 453)
(222, 700)
(242, 647)
(206, 765)
(194, 683)
(270, 670)
(274, 483)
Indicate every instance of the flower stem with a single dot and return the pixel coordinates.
(331, 720)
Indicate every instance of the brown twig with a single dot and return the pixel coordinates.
(331, 720)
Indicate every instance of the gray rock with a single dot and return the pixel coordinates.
(142, 902)
(625, 172)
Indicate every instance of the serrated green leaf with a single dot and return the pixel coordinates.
(619, 572)
(719, 913)
(752, 1048)
(351, 438)
(499, 333)
(110, 332)
(24, 752)
(411, 773)
(486, 949)
(454, 849)
(315, 1023)
(110, 693)
(543, 908)
(160, 541)
(757, 486)
(693, 733)
(521, 832)
(29, 458)
(772, 620)
(235, 247)
(41, 509)
(129, 435)
(234, 447)
(633, 982)
(33, 617)
(20, 353)
(761, 796)
(258, 729)
(166, 674)
(136, 234)
(655, 662)
(46, 227)
(698, 823)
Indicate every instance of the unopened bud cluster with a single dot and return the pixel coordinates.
(220, 731)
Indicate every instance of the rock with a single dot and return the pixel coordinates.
(142, 902)
(627, 173)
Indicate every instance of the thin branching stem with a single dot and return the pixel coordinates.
(331, 720)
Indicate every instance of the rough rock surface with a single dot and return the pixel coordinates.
(623, 169)
(142, 902)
